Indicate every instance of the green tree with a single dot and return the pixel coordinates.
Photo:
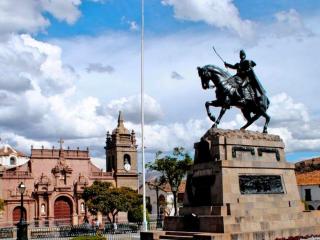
(136, 214)
(102, 197)
(173, 169)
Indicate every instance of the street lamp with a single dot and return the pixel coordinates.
(174, 191)
(22, 225)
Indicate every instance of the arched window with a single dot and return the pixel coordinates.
(126, 159)
(82, 207)
(43, 209)
(13, 160)
(318, 208)
(310, 207)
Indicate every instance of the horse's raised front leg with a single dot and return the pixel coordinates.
(222, 112)
(208, 104)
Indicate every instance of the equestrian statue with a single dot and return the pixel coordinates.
(243, 90)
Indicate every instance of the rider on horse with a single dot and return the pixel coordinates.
(245, 72)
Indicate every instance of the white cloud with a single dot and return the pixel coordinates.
(133, 26)
(63, 10)
(27, 16)
(182, 102)
(290, 23)
(55, 77)
(219, 13)
(284, 109)
(175, 75)
(99, 68)
(42, 99)
(43, 110)
(131, 107)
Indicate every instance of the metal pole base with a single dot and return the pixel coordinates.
(22, 231)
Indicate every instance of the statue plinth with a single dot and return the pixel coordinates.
(241, 184)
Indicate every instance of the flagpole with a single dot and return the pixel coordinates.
(144, 224)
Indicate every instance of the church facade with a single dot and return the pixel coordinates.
(55, 179)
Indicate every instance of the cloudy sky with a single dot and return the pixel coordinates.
(68, 67)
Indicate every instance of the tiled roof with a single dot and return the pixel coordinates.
(167, 187)
(315, 160)
(308, 178)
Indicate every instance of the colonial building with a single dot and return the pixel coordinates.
(55, 179)
(160, 198)
(9, 157)
(308, 180)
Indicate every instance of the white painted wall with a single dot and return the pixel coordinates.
(315, 195)
(5, 161)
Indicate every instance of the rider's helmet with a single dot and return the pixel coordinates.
(242, 54)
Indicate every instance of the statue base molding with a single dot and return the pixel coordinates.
(240, 187)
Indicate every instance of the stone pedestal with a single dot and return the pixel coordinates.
(241, 187)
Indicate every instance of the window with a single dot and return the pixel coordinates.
(109, 165)
(307, 195)
(126, 159)
(43, 209)
(82, 207)
(13, 160)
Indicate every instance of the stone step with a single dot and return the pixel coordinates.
(178, 235)
(296, 220)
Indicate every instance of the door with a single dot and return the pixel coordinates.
(63, 211)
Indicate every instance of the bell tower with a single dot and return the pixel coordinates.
(121, 155)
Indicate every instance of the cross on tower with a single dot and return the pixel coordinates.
(61, 142)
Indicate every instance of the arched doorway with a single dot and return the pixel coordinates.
(311, 207)
(63, 211)
(16, 214)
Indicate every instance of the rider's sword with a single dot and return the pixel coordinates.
(219, 56)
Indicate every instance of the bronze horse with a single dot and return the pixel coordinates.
(228, 89)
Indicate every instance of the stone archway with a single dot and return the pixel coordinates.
(63, 211)
(16, 214)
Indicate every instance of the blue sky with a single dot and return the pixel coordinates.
(113, 15)
(74, 64)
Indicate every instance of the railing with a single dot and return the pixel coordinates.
(6, 233)
(16, 174)
(118, 231)
(62, 232)
(121, 231)
(101, 174)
